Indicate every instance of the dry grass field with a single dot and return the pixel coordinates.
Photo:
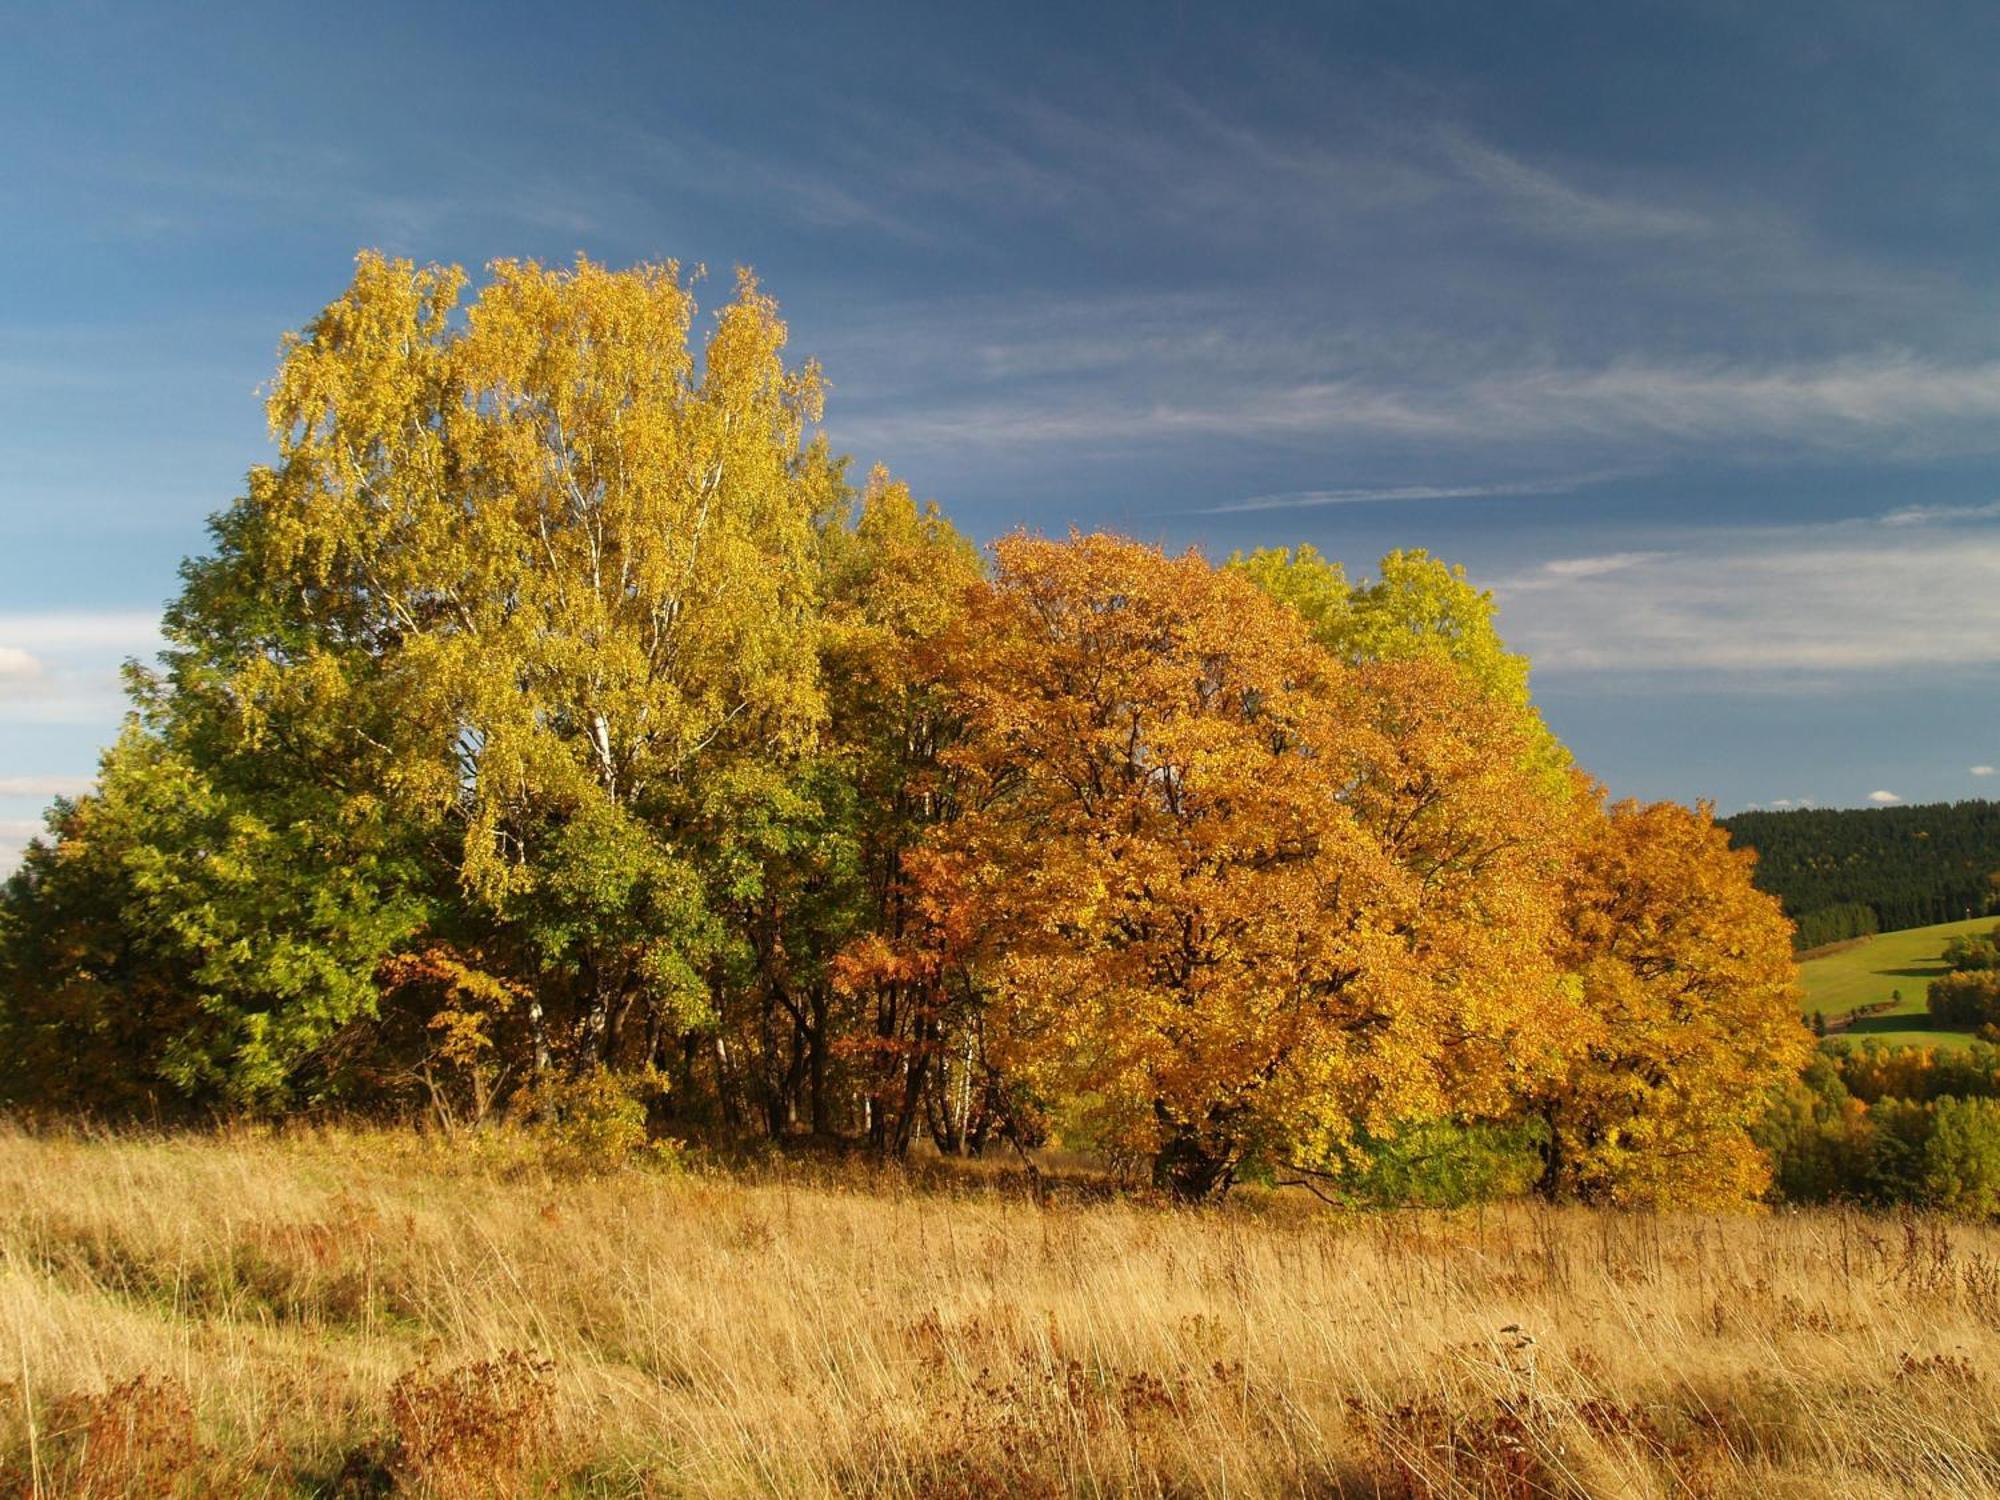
(353, 1314)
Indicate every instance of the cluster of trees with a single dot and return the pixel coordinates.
(1848, 872)
(553, 712)
(1890, 1125)
(1969, 994)
(1834, 924)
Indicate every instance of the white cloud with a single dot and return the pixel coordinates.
(90, 693)
(1784, 600)
(1842, 404)
(1546, 202)
(45, 786)
(1597, 567)
(53, 631)
(62, 667)
(1981, 770)
(14, 836)
(17, 665)
(1884, 799)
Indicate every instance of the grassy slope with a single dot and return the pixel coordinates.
(1871, 971)
(322, 1314)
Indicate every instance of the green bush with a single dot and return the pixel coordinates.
(1817, 1137)
(1968, 997)
(1442, 1164)
(589, 1122)
(1960, 1170)
(1968, 952)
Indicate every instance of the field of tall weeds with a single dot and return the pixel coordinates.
(355, 1313)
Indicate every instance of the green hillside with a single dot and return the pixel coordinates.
(1875, 968)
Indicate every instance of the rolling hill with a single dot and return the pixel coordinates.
(1875, 969)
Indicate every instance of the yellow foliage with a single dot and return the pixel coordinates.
(580, 557)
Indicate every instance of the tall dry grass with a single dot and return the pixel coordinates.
(347, 1313)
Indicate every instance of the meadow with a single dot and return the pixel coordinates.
(350, 1313)
(1873, 970)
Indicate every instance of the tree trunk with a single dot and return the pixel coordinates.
(816, 1065)
(1552, 1186)
(913, 1092)
(1191, 1169)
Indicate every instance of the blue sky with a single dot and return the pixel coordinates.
(1676, 324)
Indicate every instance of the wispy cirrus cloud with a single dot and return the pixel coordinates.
(1893, 405)
(1800, 605)
(1396, 494)
(1597, 567)
(148, 197)
(1553, 205)
(1925, 515)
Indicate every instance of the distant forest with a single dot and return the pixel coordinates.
(1847, 872)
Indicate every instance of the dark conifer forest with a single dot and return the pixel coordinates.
(1847, 872)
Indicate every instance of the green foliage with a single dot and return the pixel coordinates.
(1814, 1134)
(1960, 1167)
(1969, 995)
(1417, 608)
(1835, 924)
(185, 932)
(1311, 586)
(614, 906)
(1444, 1164)
(1967, 951)
(1890, 1125)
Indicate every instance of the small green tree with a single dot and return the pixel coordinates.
(183, 928)
(1968, 997)
(1960, 1170)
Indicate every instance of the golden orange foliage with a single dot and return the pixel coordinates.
(1221, 891)
(1690, 1012)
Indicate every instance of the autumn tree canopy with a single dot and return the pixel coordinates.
(1689, 1012)
(1228, 892)
(552, 706)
